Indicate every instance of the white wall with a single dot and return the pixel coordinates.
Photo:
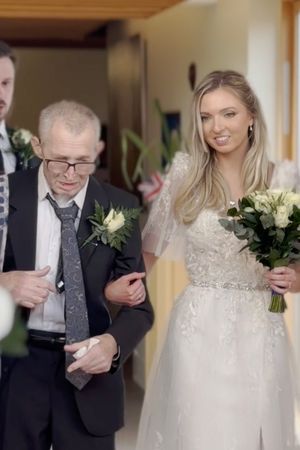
(264, 51)
(48, 75)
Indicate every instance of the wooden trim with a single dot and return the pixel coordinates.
(89, 9)
(288, 60)
(57, 43)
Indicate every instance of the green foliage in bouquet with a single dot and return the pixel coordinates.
(158, 156)
(14, 344)
(270, 223)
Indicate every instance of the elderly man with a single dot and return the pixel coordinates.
(68, 391)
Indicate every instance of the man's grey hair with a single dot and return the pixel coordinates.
(74, 116)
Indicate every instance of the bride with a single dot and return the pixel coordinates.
(223, 380)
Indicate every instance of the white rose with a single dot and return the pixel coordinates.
(292, 199)
(116, 222)
(21, 135)
(261, 203)
(7, 312)
(281, 217)
(109, 216)
(25, 135)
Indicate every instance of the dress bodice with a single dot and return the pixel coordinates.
(213, 256)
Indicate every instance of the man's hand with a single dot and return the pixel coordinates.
(127, 290)
(98, 358)
(27, 287)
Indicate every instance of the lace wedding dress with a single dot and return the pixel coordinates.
(223, 378)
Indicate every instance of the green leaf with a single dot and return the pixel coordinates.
(281, 262)
(150, 157)
(267, 220)
(227, 224)
(233, 212)
(250, 217)
(280, 235)
(14, 344)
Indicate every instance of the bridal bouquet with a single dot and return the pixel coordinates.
(270, 223)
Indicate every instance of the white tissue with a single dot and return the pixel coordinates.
(83, 350)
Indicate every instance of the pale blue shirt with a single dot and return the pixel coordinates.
(9, 158)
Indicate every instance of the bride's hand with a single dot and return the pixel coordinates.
(127, 290)
(281, 279)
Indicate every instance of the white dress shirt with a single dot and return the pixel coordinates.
(9, 158)
(49, 316)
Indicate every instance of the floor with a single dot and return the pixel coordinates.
(125, 438)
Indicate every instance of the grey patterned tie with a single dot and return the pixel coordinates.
(77, 325)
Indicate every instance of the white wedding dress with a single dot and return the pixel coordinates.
(223, 380)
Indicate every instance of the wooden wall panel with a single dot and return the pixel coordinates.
(126, 78)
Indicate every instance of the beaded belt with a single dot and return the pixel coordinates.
(231, 285)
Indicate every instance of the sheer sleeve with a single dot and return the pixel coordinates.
(3, 216)
(162, 232)
(286, 176)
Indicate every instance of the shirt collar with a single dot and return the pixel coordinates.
(3, 130)
(44, 189)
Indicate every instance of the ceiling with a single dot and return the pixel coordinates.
(71, 22)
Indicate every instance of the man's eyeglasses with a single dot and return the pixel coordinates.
(81, 168)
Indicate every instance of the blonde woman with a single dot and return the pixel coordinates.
(223, 378)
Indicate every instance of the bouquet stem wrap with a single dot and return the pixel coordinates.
(278, 303)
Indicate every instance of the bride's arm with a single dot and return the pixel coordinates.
(129, 289)
(149, 260)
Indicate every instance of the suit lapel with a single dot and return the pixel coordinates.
(94, 192)
(22, 221)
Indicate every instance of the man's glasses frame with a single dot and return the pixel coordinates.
(81, 168)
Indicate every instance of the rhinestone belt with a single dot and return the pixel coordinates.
(229, 285)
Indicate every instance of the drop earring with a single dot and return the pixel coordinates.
(250, 129)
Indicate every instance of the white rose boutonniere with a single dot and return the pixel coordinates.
(113, 228)
(21, 144)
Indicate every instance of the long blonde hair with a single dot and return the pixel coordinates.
(204, 185)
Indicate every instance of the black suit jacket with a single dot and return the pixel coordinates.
(100, 403)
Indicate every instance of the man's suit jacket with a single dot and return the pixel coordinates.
(100, 403)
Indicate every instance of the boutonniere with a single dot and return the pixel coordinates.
(21, 144)
(112, 228)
